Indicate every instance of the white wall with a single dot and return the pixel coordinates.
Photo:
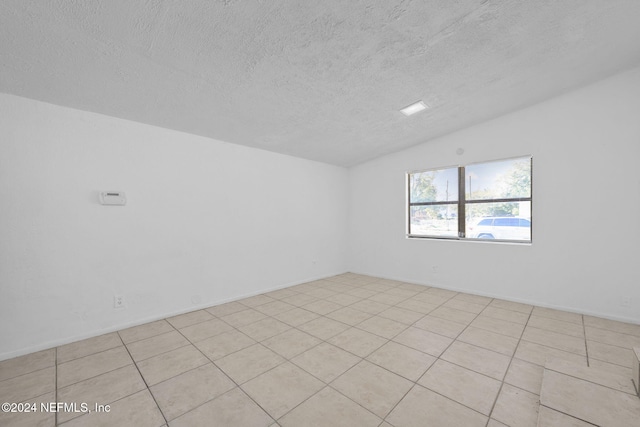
(205, 222)
(586, 206)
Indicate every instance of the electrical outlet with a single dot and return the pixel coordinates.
(626, 301)
(118, 301)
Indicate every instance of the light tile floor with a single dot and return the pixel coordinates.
(349, 350)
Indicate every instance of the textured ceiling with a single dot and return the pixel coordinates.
(322, 80)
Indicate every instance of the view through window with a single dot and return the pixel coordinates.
(487, 201)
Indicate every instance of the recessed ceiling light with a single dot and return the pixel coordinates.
(416, 107)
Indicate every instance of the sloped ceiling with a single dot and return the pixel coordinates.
(321, 80)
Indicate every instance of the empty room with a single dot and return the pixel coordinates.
(288, 214)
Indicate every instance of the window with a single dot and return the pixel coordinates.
(485, 201)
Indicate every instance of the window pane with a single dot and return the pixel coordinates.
(498, 221)
(438, 220)
(498, 180)
(434, 186)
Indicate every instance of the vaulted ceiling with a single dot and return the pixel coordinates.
(321, 80)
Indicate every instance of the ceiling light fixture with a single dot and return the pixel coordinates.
(416, 107)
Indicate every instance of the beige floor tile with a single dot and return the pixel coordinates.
(204, 330)
(363, 293)
(296, 317)
(102, 390)
(401, 315)
(612, 337)
(326, 361)
(611, 367)
(330, 408)
(387, 298)
(555, 340)
(167, 365)
(226, 309)
(558, 315)
(248, 363)
(158, 344)
(255, 301)
(245, 317)
(322, 307)
(28, 386)
(495, 423)
(550, 418)
(469, 388)
(588, 401)
(381, 326)
(610, 353)
(319, 293)
(477, 359)
(86, 347)
(442, 292)
(402, 360)
(299, 300)
(407, 293)
(516, 407)
(344, 299)
(91, 366)
(431, 298)
(264, 329)
(559, 326)
(31, 362)
(349, 316)
(373, 387)
(604, 378)
(612, 325)
(499, 326)
(137, 410)
(291, 343)
(424, 341)
(513, 306)
(358, 342)
(281, 293)
(440, 326)
(37, 418)
(422, 407)
(224, 344)
(489, 340)
(147, 330)
(189, 319)
(538, 354)
(508, 315)
(275, 307)
(422, 307)
(370, 306)
(476, 299)
(412, 287)
(281, 389)
(191, 389)
(323, 328)
(233, 408)
(525, 375)
(467, 306)
(453, 315)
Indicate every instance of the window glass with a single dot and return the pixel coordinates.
(434, 186)
(498, 180)
(496, 201)
(435, 220)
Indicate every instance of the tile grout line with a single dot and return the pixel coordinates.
(586, 347)
(226, 375)
(509, 367)
(144, 381)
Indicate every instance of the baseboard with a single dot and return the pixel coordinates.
(137, 322)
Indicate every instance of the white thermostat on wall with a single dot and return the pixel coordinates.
(115, 198)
